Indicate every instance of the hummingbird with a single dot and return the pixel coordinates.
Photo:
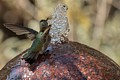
(41, 39)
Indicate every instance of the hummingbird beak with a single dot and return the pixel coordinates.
(46, 30)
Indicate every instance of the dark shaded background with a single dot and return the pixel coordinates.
(95, 23)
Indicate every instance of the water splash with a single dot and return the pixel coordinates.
(59, 24)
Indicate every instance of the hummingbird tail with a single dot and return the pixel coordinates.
(30, 58)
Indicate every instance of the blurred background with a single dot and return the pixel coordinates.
(95, 23)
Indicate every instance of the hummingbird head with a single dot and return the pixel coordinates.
(43, 25)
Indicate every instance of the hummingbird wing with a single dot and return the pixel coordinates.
(20, 30)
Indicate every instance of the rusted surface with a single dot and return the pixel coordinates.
(7, 68)
(69, 61)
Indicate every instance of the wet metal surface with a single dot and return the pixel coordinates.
(68, 61)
